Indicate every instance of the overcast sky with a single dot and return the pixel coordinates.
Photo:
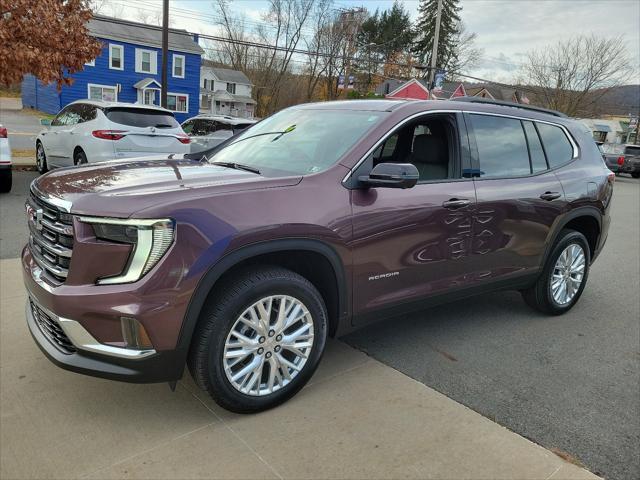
(506, 29)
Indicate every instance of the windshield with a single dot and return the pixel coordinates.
(298, 141)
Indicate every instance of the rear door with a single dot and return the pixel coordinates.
(519, 197)
(146, 132)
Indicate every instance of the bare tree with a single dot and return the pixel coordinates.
(573, 75)
(326, 45)
(268, 68)
(467, 55)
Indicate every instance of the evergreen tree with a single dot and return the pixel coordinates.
(425, 29)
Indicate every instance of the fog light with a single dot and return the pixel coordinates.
(134, 334)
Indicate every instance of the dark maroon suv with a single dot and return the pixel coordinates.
(313, 222)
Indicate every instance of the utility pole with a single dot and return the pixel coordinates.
(434, 52)
(352, 18)
(165, 52)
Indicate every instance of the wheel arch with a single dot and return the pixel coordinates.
(270, 252)
(586, 220)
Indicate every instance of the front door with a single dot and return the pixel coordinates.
(409, 244)
(519, 197)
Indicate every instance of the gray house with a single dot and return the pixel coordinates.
(225, 92)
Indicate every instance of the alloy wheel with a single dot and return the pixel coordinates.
(268, 345)
(39, 157)
(568, 274)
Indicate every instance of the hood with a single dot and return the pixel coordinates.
(121, 188)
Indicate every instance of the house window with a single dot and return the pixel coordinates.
(178, 66)
(231, 88)
(105, 93)
(178, 102)
(146, 61)
(205, 83)
(116, 57)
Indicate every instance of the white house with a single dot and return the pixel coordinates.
(225, 92)
(605, 130)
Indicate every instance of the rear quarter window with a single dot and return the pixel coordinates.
(556, 144)
(140, 117)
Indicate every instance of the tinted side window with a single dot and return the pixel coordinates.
(223, 126)
(502, 146)
(556, 144)
(60, 118)
(73, 115)
(187, 127)
(207, 127)
(87, 113)
(538, 161)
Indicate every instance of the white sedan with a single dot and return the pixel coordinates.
(5, 161)
(207, 131)
(92, 131)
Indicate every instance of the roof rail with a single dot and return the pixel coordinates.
(509, 104)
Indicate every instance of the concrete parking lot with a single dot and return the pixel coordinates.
(568, 383)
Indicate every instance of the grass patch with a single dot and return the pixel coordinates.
(37, 113)
(10, 92)
(26, 152)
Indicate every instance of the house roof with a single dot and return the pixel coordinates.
(141, 34)
(145, 82)
(226, 74)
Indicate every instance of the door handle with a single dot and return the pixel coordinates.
(550, 196)
(456, 203)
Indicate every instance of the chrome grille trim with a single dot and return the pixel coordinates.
(51, 237)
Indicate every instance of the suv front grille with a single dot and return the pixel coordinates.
(51, 238)
(51, 329)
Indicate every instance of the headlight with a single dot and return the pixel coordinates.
(151, 240)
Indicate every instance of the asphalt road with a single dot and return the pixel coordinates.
(13, 223)
(23, 127)
(570, 383)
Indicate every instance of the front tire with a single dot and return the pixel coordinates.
(79, 158)
(41, 159)
(636, 175)
(563, 277)
(6, 179)
(259, 339)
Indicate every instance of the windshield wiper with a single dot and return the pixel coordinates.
(237, 166)
(279, 134)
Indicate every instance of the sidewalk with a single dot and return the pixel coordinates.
(356, 419)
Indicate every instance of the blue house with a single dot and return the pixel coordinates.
(128, 70)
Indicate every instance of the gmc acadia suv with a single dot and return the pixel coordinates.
(311, 223)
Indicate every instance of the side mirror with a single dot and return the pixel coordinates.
(391, 175)
(45, 122)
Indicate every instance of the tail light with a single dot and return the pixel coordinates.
(621, 160)
(109, 134)
(3, 132)
(184, 138)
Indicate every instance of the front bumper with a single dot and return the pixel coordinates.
(92, 358)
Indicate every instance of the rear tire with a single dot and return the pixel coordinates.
(41, 159)
(547, 294)
(278, 358)
(79, 158)
(6, 179)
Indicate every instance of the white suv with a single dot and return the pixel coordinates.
(91, 131)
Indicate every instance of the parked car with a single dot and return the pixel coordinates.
(623, 158)
(316, 221)
(88, 131)
(5, 161)
(207, 131)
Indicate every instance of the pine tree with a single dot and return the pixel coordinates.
(425, 29)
